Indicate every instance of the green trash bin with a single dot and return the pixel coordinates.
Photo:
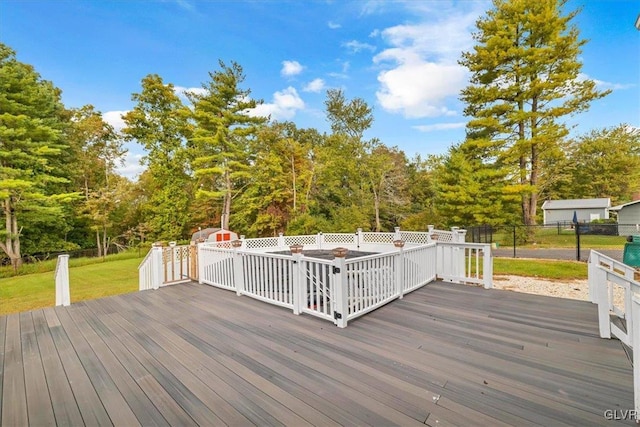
(631, 254)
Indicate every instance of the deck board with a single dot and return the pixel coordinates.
(39, 407)
(192, 354)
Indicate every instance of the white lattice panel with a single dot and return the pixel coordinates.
(262, 243)
(300, 240)
(340, 238)
(415, 237)
(377, 237)
(443, 236)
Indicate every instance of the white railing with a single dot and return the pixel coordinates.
(372, 282)
(62, 281)
(267, 277)
(420, 267)
(215, 266)
(465, 263)
(608, 279)
(338, 290)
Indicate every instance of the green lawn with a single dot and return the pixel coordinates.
(548, 269)
(37, 290)
(549, 238)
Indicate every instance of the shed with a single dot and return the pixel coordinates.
(214, 235)
(628, 218)
(586, 210)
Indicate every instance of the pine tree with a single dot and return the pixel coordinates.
(221, 139)
(525, 78)
(32, 120)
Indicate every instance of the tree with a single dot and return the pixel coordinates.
(222, 136)
(98, 149)
(525, 78)
(470, 191)
(32, 119)
(605, 163)
(159, 122)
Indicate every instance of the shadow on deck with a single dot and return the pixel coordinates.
(193, 354)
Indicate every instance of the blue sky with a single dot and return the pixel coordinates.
(400, 56)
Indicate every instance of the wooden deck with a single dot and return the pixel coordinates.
(192, 354)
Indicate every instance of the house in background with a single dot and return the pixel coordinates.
(586, 210)
(214, 235)
(628, 218)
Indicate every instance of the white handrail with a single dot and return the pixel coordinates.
(605, 274)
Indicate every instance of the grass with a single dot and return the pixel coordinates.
(548, 269)
(549, 238)
(88, 281)
(50, 265)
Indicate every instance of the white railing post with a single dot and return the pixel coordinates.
(462, 236)
(157, 266)
(592, 272)
(396, 233)
(454, 234)
(635, 308)
(319, 240)
(487, 267)
(62, 281)
(341, 308)
(281, 243)
(360, 238)
(400, 269)
(602, 299)
(200, 263)
(297, 283)
(244, 242)
(238, 274)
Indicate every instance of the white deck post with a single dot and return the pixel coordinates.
(157, 266)
(400, 271)
(360, 238)
(297, 283)
(602, 299)
(200, 263)
(396, 233)
(319, 239)
(635, 308)
(281, 244)
(238, 273)
(62, 281)
(341, 308)
(487, 267)
(593, 262)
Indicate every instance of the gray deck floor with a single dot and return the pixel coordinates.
(193, 354)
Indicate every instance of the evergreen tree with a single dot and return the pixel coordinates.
(525, 78)
(221, 140)
(32, 120)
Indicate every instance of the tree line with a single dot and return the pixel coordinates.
(211, 161)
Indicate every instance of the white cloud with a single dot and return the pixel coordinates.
(132, 168)
(315, 85)
(355, 46)
(333, 25)
(284, 106)
(114, 118)
(182, 91)
(291, 68)
(602, 85)
(420, 71)
(440, 126)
